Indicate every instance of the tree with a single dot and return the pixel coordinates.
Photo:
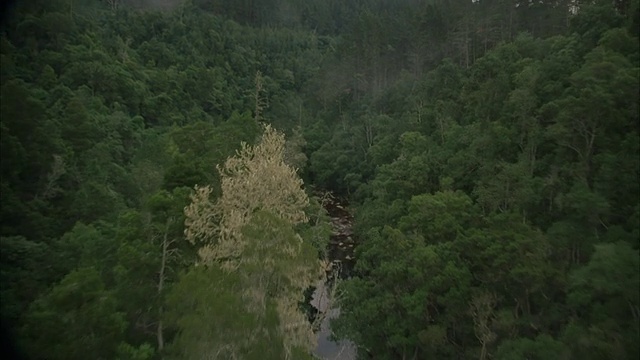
(23, 270)
(540, 348)
(249, 231)
(481, 309)
(150, 256)
(605, 297)
(256, 179)
(77, 317)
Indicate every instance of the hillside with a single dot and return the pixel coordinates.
(163, 164)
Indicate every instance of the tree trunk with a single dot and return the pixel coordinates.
(163, 265)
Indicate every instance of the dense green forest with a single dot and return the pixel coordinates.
(162, 163)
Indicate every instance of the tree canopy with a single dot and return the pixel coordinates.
(161, 162)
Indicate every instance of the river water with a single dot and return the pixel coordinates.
(342, 258)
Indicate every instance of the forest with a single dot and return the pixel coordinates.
(165, 166)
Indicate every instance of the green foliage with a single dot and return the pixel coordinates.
(24, 272)
(317, 231)
(604, 296)
(511, 181)
(78, 316)
(542, 347)
(128, 352)
(439, 217)
(207, 308)
(83, 245)
(490, 153)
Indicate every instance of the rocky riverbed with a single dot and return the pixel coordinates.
(342, 258)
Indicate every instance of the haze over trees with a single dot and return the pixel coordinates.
(158, 161)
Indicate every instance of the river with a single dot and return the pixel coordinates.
(341, 255)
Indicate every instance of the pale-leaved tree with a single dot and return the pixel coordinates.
(250, 231)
